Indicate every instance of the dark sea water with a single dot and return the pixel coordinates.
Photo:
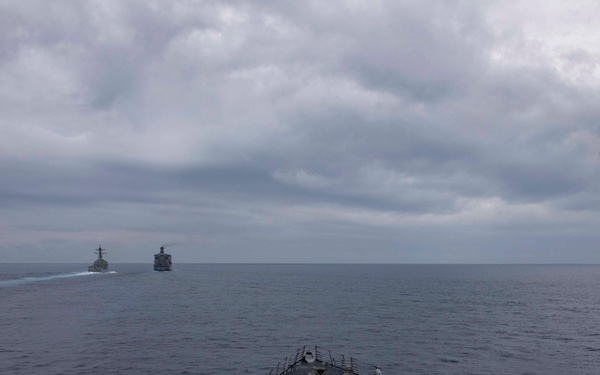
(244, 319)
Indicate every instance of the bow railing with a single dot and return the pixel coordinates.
(327, 357)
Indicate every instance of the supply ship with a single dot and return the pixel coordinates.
(100, 264)
(162, 261)
(318, 361)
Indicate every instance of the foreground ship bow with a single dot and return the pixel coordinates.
(162, 261)
(319, 361)
(100, 264)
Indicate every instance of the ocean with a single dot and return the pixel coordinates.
(245, 318)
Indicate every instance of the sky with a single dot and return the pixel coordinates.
(300, 131)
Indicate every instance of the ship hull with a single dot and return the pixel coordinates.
(93, 269)
(162, 268)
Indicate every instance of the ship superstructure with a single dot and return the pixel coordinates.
(100, 264)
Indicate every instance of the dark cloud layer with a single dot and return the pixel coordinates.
(299, 131)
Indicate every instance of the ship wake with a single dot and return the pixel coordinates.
(34, 279)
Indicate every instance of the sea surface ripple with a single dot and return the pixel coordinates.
(245, 318)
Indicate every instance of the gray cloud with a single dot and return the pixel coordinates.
(277, 131)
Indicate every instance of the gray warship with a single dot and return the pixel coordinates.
(318, 361)
(162, 261)
(100, 264)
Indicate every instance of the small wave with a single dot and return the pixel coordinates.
(26, 280)
(449, 360)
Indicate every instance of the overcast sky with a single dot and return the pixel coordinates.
(300, 131)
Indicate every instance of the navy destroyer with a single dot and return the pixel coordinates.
(162, 261)
(100, 264)
(319, 361)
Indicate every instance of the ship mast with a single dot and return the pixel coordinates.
(99, 251)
